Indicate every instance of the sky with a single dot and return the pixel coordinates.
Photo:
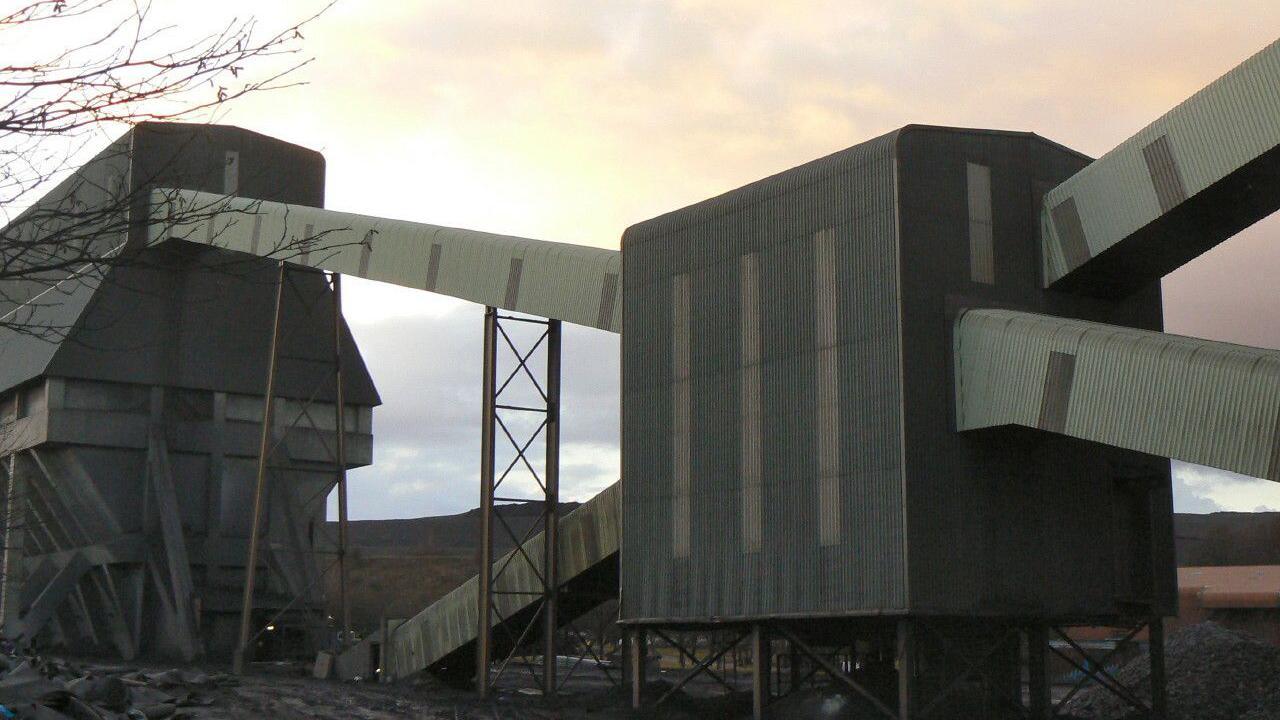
(571, 120)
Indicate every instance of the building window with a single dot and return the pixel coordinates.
(981, 254)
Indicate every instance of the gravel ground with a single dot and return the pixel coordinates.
(55, 689)
(1213, 674)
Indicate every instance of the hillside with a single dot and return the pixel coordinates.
(400, 566)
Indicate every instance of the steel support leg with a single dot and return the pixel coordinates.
(551, 530)
(637, 653)
(906, 669)
(1155, 647)
(487, 420)
(1038, 672)
(760, 667)
(340, 462)
(243, 653)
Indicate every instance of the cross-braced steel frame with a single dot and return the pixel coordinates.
(1094, 669)
(940, 665)
(494, 422)
(273, 438)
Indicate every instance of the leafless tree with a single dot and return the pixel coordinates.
(79, 69)
(73, 72)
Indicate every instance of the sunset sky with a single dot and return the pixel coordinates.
(571, 120)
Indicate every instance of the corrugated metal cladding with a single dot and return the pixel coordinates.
(588, 536)
(1214, 133)
(1195, 400)
(793, 398)
(573, 283)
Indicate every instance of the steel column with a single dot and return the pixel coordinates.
(637, 653)
(487, 419)
(1038, 673)
(340, 445)
(243, 651)
(1155, 649)
(551, 529)
(906, 668)
(760, 666)
(12, 552)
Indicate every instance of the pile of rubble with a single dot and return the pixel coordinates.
(1213, 674)
(48, 689)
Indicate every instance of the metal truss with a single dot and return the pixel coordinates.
(518, 574)
(1094, 668)
(978, 660)
(831, 669)
(270, 467)
(704, 666)
(583, 647)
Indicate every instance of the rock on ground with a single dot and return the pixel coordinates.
(1213, 674)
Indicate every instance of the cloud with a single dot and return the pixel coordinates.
(427, 362)
(570, 120)
(1203, 489)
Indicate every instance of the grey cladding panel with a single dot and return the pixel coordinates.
(305, 242)
(1066, 219)
(366, 252)
(231, 173)
(513, 282)
(433, 267)
(1056, 399)
(981, 259)
(608, 297)
(257, 233)
(1165, 176)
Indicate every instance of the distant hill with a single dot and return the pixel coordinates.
(398, 567)
(1227, 538)
(442, 533)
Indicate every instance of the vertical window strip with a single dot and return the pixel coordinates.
(231, 173)
(681, 409)
(750, 403)
(981, 251)
(828, 386)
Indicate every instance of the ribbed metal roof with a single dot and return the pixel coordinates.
(1206, 138)
(1196, 400)
(32, 334)
(573, 283)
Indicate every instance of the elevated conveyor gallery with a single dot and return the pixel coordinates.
(1201, 401)
(1199, 174)
(573, 283)
(442, 637)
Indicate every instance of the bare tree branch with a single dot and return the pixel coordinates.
(111, 66)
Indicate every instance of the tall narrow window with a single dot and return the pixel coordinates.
(749, 401)
(680, 410)
(982, 266)
(825, 336)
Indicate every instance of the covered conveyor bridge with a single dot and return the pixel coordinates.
(442, 637)
(573, 283)
(1204, 402)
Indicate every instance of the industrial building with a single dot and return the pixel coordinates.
(133, 410)
(908, 404)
